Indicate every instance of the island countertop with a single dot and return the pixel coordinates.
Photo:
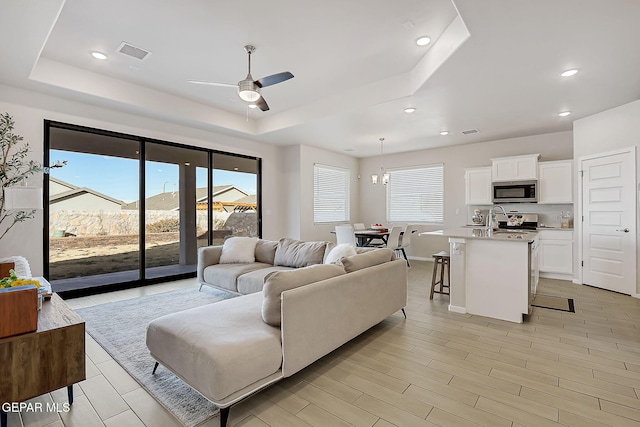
(493, 274)
(525, 236)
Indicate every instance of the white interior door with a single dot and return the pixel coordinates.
(609, 224)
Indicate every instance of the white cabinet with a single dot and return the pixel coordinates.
(516, 168)
(555, 182)
(478, 186)
(556, 252)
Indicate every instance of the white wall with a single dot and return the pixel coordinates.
(610, 130)
(291, 186)
(308, 157)
(553, 146)
(30, 109)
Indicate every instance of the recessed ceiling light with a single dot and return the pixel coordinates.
(423, 41)
(564, 113)
(444, 133)
(569, 73)
(98, 55)
(410, 110)
(253, 106)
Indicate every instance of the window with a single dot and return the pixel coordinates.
(416, 194)
(330, 194)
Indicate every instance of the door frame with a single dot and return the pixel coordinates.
(580, 208)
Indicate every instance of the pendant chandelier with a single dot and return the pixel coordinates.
(382, 176)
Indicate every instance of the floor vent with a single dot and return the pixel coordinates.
(133, 51)
(470, 131)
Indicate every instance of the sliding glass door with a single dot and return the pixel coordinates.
(92, 239)
(126, 210)
(235, 197)
(175, 181)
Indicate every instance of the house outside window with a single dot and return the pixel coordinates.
(416, 194)
(331, 194)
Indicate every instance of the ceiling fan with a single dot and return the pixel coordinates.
(249, 89)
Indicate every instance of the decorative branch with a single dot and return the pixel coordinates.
(14, 169)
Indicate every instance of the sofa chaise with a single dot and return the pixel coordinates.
(233, 348)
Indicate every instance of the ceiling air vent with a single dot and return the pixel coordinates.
(470, 131)
(133, 51)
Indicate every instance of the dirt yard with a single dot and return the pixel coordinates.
(111, 258)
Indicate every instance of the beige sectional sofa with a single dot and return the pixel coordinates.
(248, 277)
(233, 348)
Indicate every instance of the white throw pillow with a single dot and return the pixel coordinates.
(238, 249)
(340, 251)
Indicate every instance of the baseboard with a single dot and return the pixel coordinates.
(420, 258)
(456, 309)
(559, 276)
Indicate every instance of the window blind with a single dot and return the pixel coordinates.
(331, 198)
(416, 194)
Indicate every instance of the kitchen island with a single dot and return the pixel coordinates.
(493, 274)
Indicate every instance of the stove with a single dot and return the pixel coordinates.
(517, 221)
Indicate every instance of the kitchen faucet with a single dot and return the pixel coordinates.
(491, 217)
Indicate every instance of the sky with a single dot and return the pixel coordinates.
(118, 178)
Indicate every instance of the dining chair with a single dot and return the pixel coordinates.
(405, 240)
(393, 242)
(359, 226)
(345, 234)
(405, 237)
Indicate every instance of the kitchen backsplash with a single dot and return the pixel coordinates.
(548, 215)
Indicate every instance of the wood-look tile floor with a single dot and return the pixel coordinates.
(434, 368)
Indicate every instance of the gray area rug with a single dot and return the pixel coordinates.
(121, 327)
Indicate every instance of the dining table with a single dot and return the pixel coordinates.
(367, 236)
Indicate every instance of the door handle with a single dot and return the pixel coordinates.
(626, 230)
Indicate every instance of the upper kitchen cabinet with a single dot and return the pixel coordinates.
(554, 182)
(478, 186)
(516, 168)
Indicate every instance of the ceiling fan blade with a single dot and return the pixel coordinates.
(262, 104)
(273, 79)
(200, 82)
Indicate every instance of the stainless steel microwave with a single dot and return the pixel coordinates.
(514, 192)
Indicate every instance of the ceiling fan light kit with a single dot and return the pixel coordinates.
(248, 91)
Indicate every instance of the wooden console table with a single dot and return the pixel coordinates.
(39, 362)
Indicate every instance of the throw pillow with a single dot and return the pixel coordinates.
(340, 251)
(266, 251)
(238, 249)
(277, 282)
(367, 259)
(327, 249)
(297, 254)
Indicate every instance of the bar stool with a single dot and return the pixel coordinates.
(441, 259)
